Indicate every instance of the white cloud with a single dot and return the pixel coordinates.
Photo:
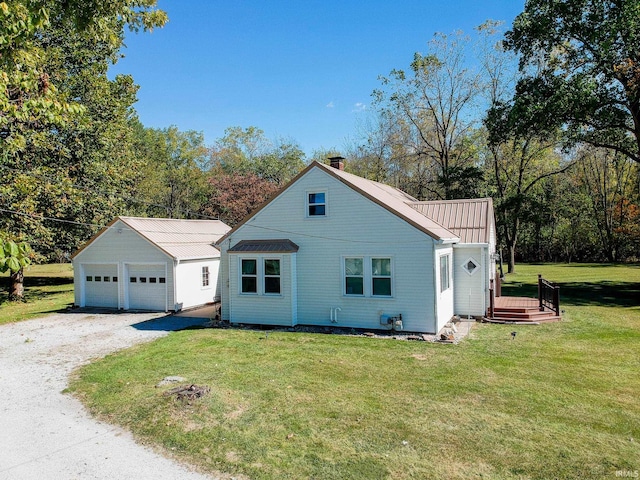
(330, 104)
(359, 107)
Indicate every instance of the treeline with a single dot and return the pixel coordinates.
(543, 118)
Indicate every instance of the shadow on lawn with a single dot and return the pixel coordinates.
(36, 290)
(39, 281)
(47, 281)
(606, 294)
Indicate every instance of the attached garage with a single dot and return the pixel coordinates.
(152, 264)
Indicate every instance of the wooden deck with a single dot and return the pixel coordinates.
(520, 310)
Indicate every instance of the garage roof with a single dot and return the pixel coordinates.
(180, 239)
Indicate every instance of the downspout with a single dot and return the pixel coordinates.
(176, 262)
(436, 289)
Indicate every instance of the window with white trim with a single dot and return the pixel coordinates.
(368, 276)
(381, 277)
(260, 275)
(470, 266)
(316, 204)
(205, 276)
(249, 275)
(354, 276)
(272, 276)
(445, 277)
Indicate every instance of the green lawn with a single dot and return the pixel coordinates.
(48, 289)
(559, 401)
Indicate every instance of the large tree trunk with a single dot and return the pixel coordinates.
(16, 286)
(511, 266)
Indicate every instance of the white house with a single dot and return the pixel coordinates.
(332, 248)
(473, 221)
(149, 264)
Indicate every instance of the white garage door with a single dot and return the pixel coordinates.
(101, 285)
(147, 287)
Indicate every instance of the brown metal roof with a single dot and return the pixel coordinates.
(264, 246)
(394, 200)
(470, 219)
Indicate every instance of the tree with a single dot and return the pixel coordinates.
(235, 195)
(248, 151)
(68, 163)
(607, 178)
(432, 107)
(30, 97)
(581, 71)
(517, 160)
(173, 182)
(13, 258)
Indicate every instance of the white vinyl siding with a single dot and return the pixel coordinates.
(190, 292)
(122, 247)
(261, 306)
(470, 290)
(356, 227)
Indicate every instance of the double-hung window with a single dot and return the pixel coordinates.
(316, 204)
(381, 277)
(368, 276)
(272, 276)
(354, 276)
(261, 276)
(249, 275)
(205, 276)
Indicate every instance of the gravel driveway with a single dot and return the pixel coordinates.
(45, 434)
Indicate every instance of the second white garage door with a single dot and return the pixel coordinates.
(147, 287)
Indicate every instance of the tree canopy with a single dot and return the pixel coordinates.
(580, 61)
(66, 158)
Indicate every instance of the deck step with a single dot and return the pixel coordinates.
(522, 321)
(533, 314)
(516, 309)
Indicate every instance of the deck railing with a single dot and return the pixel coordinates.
(548, 295)
(492, 298)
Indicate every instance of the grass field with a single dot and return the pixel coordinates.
(558, 401)
(48, 289)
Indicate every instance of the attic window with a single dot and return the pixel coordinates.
(470, 266)
(316, 204)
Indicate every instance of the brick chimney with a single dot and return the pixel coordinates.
(336, 162)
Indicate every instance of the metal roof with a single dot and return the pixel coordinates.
(264, 246)
(470, 219)
(180, 239)
(394, 200)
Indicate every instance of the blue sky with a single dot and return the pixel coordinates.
(300, 70)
